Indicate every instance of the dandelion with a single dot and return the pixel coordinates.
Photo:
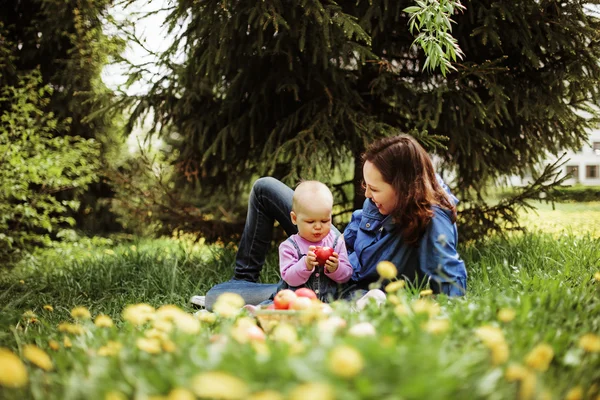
(345, 362)
(285, 333)
(575, 393)
(133, 248)
(13, 373)
(48, 307)
(181, 394)
(114, 395)
(138, 314)
(597, 276)
(424, 293)
(539, 357)
(436, 326)
(489, 335)
(111, 348)
(206, 317)
(162, 325)
(219, 385)
(229, 305)
(37, 357)
(109, 252)
(81, 313)
(73, 329)
(29, 314)
(313, 390)
(168, 346)
(387, 270)
(54, 345)
(22, 282)
(401, 310)
(590, 343)
(156, 334)
(151, 346)
(103, 321)
(186, 323)
(515, 372)
(500, 353)
(393, 287)
(506, 314)
(266, 395)
(67, 342)
(362, 329)
(425, 306)
(527, 388)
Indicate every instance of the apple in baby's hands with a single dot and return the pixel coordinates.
(283, 299)
(323, 254)
(306, 292)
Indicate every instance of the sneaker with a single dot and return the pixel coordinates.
(198, 301)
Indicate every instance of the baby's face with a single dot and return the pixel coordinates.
(313, 221)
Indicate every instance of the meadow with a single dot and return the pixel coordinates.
(103, 320)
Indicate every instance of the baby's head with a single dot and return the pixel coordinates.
(311, 210)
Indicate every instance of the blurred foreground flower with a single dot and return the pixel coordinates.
(266, 395)
(111, 348)
(73, 329)
(387, 270)
(493, 338)
(54, 345)
(590, 343)
(151, 346)
(180, 394)
(597, 276)
(229, 305)
(575, 393)
(219, 385)
(345, 361)
(138, 314)
(394, 286)
(362, 329)
(426, 306)
(12, 370)
(81, 313)
(37, 357)
(436, 326)
(48, 307)
(539, 357)
(313, 390)
(427, 292)
(506, 314)
(103, 321)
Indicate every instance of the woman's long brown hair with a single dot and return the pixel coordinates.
(405, 165)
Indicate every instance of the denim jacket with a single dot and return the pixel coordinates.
(372, 237)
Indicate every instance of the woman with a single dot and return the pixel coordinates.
(408, 218)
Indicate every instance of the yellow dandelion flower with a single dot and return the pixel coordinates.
(436, 326)
(29, 314)
(401, 310)
(37, 356)
(13, 373)
(109, 252)
(219, 385)
(103, 321)
(597, 276)
(506, 314)
(138, 314)
(387, 270)
(393, 287)
(285, 333)
(229, 305)
(489, 335)
(515, 372)
(187, 323)
(162, 325)
(539, 357)
(48, 307)
(424, 293)
(266, 395)
(362, 329)
(81, 313)
(313, 390)
(71, 328)
(206, 317)
(181, 394)
(169, 312)
(168, 346)
(527, 387)
(345, 362)
(133, 248)
(575, 393)
(67, 342)
(111, 348)
(114, 395)
(156, 334)
(54, 345)
(426, 306)
(590, 343)
(22, 282)
(151, 346)
(500, 353)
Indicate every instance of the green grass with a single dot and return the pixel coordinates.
(574, 218)
(547, 279)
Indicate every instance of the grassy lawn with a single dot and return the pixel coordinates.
(575, 218)
(528, 329)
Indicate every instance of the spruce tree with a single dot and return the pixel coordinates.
(297, 88)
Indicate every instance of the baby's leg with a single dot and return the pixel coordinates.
(377, 295)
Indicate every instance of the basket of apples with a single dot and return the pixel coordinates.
(290, 306)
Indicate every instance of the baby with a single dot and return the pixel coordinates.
(311, 213)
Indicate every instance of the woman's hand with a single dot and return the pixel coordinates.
(333, 263)
(311, 258)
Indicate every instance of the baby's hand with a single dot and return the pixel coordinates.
(311, 258)
(333, 263)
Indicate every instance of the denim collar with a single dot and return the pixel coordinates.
(371, 211)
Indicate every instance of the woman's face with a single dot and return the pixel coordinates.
(380, 192)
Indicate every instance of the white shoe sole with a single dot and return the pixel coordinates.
(199, 301)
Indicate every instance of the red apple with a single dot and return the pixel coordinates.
(306, 292)
(301, 303)
(283, 299)
(323, 254)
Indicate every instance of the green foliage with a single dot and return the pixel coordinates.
(35, 166)
(577, 193)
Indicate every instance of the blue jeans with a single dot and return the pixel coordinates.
(270, 200)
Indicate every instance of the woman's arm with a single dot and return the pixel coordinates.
(351, 231)
(293, 270)
(439, 257)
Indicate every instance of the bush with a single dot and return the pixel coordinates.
(577, 193)
(35, 166)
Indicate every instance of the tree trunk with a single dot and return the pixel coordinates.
(359, 193)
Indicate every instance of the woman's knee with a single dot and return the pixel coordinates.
(264, 185)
